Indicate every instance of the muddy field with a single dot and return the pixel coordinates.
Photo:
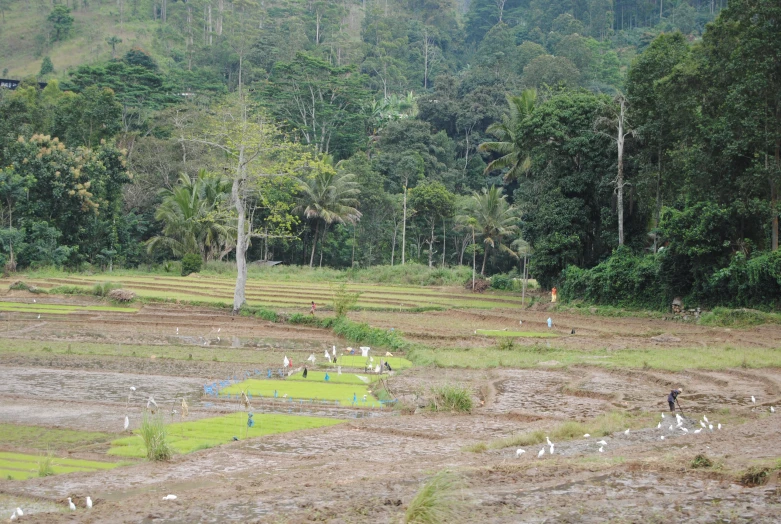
(370, 467)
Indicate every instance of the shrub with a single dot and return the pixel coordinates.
(102, 289)
(437, 501)
(68, 290)
(19, 285)
(450, 397)
(344, 300)
(191, 263)
(755, 476)
(503, 282)
(155, 437)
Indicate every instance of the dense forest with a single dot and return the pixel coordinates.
(627, 151)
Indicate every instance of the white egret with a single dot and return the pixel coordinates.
(662, 415)
(39, 317)
(671, 427)
(71, 505)
(33, 301)
(586, 435)
(697, 430)
(705, 419)
(519, 452)
(551, 449)
(753, 400)
(684, 430)
(13, 516)
(89, 503)
(602, 442)
(548, 440)
(132, 388)
(662, 437)
(719, 425)
(626, 432)
(541, 453)
(127, 422)
(772, 409)
(19, 512)
(659, 425)
(219, 329)
(169, 497)
(710, 427)
(702, 423)
(177, 331)
(601, 449)
(151, 402)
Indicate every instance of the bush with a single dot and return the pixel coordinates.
(701, 461)
(503, 282)
(155, 437)
(344, 300)
(45, 468)
(191, 263)
(451, 397)
(102, 289)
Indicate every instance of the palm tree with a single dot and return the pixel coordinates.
(508, 133)
(328, 197)
(191, 218)
(495, 219)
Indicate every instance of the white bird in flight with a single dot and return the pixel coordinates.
(519, 452)
(127, 422)
(541, 453)
(89, 503)
(71, 505)
(169, 497)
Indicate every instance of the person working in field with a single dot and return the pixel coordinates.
(672, 397)
(313, 308)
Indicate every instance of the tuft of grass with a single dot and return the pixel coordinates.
(344, 300)
(701, 461)
(45, 468)
(452, 398)
(755, 476)
(102, 289)
(155, 437)
(438, 501)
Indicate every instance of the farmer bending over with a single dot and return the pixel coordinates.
(672, 397)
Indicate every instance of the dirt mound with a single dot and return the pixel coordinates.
(121, 295)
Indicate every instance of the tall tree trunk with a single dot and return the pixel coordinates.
(431, 247)
(620, 179)
(242, 239)
(444, 241)
(314, 243)
(485, 257)
(658, 211)
(404, 227)
(474, 258)
(322, 243)
(774, 201)
(393, 244)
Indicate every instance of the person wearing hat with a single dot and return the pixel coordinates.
(672, 397)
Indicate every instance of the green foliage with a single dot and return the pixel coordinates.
(191, 263)
(155, 436)
(61, 21)
(738, 318)
(344, 300)
(45, 468)
(102, 289)
(452, 398)
(504, 282)
(46, 67)
(701, 461)
(438, 501)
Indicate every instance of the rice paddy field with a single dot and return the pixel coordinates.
(478, 383)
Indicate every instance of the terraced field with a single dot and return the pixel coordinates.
(288, 294)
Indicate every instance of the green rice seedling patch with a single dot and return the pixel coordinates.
(518, 334)
(186, 437)
(20, 466)
(335, 378)
(36, 437)
(59, 308)
(357, 361)
(301, 390)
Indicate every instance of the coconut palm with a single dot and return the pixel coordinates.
(328, 197)
(496, 219)
(191, 216)
(509, 143)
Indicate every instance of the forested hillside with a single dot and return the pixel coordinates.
(627, 151)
